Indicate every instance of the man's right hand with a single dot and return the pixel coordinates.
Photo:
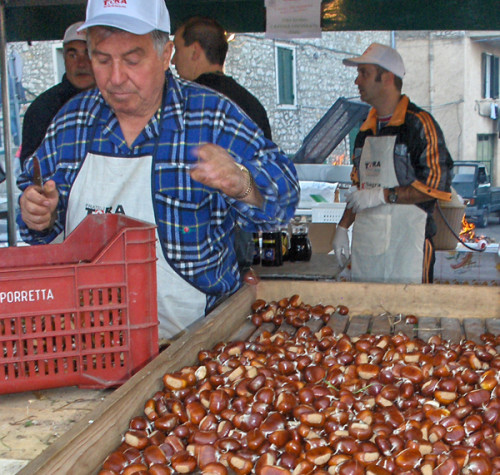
(340, 245)
(38, 207)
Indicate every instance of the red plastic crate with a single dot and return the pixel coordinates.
(82, 312)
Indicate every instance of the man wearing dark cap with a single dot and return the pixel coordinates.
(77, 78)
(161, 150)
(401, 167)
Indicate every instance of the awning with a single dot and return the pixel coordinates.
(36, 20)
(32, 20)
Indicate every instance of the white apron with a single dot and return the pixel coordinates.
(387, 240)
(123, 185)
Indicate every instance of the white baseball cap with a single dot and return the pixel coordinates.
(135, 16)
(381, 55)
(72, 33)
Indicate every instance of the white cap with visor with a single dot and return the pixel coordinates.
(135, 16)
(383, 56)
(72, 33)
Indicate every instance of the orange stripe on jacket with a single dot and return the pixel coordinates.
(432, 157)
(427, 261)
(435, 150)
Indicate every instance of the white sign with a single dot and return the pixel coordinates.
(33, 295)
(287, 19)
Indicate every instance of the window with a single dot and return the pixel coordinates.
(59, 68)
(491, 76)
(285, 67)
(485, 150)
(481, 176)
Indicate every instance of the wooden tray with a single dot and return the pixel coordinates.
(455, 312)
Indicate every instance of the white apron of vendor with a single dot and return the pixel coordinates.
(123, 185)
(387, 240)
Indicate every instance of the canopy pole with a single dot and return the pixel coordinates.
(9, 171)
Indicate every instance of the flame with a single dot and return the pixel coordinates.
(467, 233)
(341, 159)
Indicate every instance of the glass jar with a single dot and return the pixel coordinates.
(256, 248)
(271, 249)
(285, 245)
(300, 245)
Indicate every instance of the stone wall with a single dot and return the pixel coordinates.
(38, 67)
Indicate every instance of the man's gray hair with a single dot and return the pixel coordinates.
(160, 38)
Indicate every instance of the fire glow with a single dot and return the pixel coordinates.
(341, 159)
(467, 233)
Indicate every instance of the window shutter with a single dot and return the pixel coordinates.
(484, 60)
(495, 76)
(285, 75)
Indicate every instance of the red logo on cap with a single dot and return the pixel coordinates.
(115, 3)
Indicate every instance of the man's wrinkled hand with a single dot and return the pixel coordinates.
(358, 200)
(38, 207)
(217, 169)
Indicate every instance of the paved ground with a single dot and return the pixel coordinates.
(32, 420)
(492, 231)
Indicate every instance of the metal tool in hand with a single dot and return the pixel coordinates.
(37, 174)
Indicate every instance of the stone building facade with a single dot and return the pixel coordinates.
(445, 74)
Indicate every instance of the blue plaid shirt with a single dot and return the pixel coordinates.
(195, 222)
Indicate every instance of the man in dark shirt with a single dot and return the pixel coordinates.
(200, 52)
(78, 77)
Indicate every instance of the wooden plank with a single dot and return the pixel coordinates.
(428, 326)
(452, 301)
(320, 267)
(392, 324)
(381, 325)
(493, 326)
(474, 328)
(286, 327)
(338, 323)
(358, 325)
(265, 327)
(245, 331)
(408, 329)
(315, 324)
(451, 330)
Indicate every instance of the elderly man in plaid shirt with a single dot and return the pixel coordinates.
(161, 150)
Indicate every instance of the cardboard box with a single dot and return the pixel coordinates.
(321, 237)
(453, 212)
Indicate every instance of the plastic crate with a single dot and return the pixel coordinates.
(82, 312)
(327, 212)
